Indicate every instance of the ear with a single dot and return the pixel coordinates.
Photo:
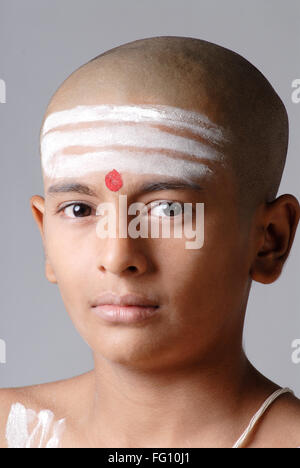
(38, 209)
(277, 229)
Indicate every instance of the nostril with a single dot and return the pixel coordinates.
(132, 268)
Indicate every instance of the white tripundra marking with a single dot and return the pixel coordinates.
(27, 429)
(89, 149)
(155, 163)
(172, 117)
(120, 136)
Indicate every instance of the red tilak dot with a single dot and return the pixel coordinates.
(113, 180)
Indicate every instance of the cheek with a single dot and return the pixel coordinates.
(223, 273)
(67, 251)
(179, 270)
(207, 275)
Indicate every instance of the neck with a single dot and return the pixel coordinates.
(178, 407)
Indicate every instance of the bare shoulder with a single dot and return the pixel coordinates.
(289, 416)
(280, 427)
(62, 398)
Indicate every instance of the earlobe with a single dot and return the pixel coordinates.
(49, 272)
(38, 209)
(280, 221)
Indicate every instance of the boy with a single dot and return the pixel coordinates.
(158, 121)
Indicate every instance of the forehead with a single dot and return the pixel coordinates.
(143, 139)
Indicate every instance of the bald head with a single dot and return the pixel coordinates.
(198, 76)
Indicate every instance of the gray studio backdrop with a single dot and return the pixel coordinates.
(41, 43)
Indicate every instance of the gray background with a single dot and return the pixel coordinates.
(41, 43)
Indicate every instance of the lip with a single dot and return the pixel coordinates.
(129, 308)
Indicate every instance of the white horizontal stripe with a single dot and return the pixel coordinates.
(167, 115)
(78, 165)
(138, 137)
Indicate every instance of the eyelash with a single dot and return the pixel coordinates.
(155, 204)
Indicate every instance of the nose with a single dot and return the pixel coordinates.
(122, 256)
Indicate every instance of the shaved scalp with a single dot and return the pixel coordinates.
(199, 76)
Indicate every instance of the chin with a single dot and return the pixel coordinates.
(132, 348)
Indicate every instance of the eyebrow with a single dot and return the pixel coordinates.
(144, 188)
(72, 187)
(171, 185)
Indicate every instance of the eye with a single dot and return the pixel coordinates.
(77, 210)
(168, 209)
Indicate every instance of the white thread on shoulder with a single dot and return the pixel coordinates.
(258, 415)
